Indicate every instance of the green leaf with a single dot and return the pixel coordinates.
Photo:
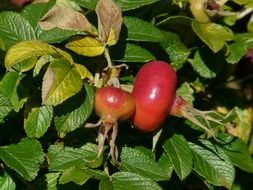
(26, 49)
(236, 51)
(14, 28)
(34, 12)
(24, 157)
(89, 4)
(186, 92)
(76, 175)
(211, 163)
(176, 50)
(9, 87)
(133, 4)
(61, 158)
(134, 53)
(55, 35)
(238, 153)
(105, 184)
(135, 161)
(5, 106)
(137, 30)
(60, 82)
(180, 155)
(199, 65)
(38, 121)
(127, 180)
(76, 118)
(213, 35)
(165, 163)
(6, 182)
(52, 180)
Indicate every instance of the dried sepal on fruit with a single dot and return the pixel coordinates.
(111, 105)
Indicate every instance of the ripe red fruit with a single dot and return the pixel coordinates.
(155, 98)
(154, 93)
(113, 104)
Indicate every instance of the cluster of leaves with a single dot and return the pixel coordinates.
(52, 55)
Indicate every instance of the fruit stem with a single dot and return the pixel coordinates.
(108, 58)
(181, 108)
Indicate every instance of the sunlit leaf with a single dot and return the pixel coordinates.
(52, 180)
(60, 82)
(41, 62)
(6, 182)
(213, 35)
(83, 71)
(26, 49)
(86, 46)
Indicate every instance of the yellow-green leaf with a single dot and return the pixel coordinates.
(60, 82)
(83, 71)
(213, 35)
(26, 49)
(26, 64)
(87, 46)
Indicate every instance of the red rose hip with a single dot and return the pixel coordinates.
(154, 93)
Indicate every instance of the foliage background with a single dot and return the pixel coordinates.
(43, 144)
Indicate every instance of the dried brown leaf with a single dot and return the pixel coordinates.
(48, 81)
(109, 21)
(66, 18)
